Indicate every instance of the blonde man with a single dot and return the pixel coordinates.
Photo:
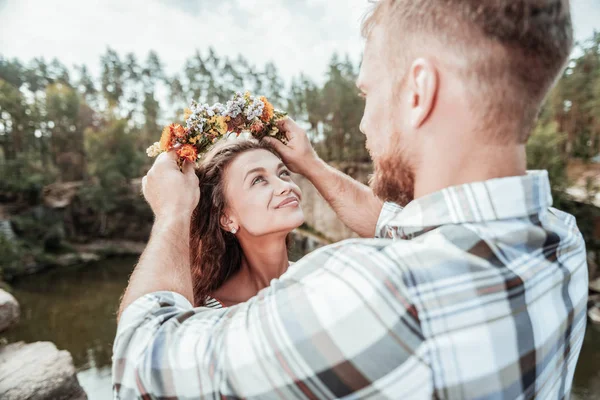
(475, 289)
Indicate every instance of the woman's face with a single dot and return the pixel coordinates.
(261, 196)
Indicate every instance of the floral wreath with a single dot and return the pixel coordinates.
(205, 125)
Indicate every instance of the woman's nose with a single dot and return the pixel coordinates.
(283, 188)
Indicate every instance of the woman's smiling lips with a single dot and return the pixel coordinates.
(291, 201)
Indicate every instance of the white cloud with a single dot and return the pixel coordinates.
(298, 35)
(78, 32)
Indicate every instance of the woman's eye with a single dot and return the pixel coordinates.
(258, 179)
(285, 173)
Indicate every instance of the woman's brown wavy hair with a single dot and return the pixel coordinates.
(215, 254)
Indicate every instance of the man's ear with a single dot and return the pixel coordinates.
(423, 81)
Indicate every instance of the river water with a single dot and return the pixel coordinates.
(76, 309)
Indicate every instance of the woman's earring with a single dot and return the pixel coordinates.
(233, 230)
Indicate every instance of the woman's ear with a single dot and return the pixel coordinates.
(228, 224)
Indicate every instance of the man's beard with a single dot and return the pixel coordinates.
(394, 179)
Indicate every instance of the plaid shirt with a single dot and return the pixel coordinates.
(482, 294)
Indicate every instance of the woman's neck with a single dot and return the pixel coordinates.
(264, 259)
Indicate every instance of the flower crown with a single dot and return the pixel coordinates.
(205, 125)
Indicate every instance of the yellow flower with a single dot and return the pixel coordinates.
(274, 131)
(194, 140)
(166, 139)
(186, 113)
(221, 125)
(247, 95)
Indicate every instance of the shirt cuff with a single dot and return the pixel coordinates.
(389, 213)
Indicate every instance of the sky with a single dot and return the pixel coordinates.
(297, 35)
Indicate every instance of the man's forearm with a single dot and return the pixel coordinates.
(164, 264)
(353, 202)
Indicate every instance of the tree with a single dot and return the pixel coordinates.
(113, 75)
(62, 110)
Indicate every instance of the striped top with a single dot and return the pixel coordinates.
(211, 302)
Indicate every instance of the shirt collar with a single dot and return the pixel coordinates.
(491, 200)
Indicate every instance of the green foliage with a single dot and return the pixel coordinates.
(25, 178)
(62, 125)
(41, 227)
(575, 102)
(11, 254)
(114, 159)
(544, 152)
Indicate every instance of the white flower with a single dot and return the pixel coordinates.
(154, 150)
(255, 109)
(234, 107)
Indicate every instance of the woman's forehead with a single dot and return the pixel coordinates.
(252, 159)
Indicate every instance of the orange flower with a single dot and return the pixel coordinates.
(268, 111)
(166, 139)
(188, 152)
(257, 127)
(178, 131)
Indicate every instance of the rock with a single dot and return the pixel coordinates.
(60, 194)
(595, 285)
(9, 310)
(593, 300)
(112, 248)
(594, 314)
(38, 371)
(70, 259)
(6, 230)
(67, 260)
(592, 267)
(89, 257)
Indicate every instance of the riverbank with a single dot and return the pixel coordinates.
(37, 370)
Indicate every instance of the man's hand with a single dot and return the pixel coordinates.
(169, 191)
(298, 155)
(354, 203)
(165, 263)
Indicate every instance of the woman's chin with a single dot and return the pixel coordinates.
(295, 221)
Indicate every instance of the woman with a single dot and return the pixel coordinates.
(239, 235)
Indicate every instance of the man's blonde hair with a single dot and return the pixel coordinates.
(513, 50)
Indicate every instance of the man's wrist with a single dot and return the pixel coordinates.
(173, 221)
(313, 168)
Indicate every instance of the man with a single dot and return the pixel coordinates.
(476, 289)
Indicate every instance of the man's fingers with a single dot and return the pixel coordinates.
(189, 169)
(288, 126)
(282, 124)
(279, 147)
(167, 157)
(144, 179)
